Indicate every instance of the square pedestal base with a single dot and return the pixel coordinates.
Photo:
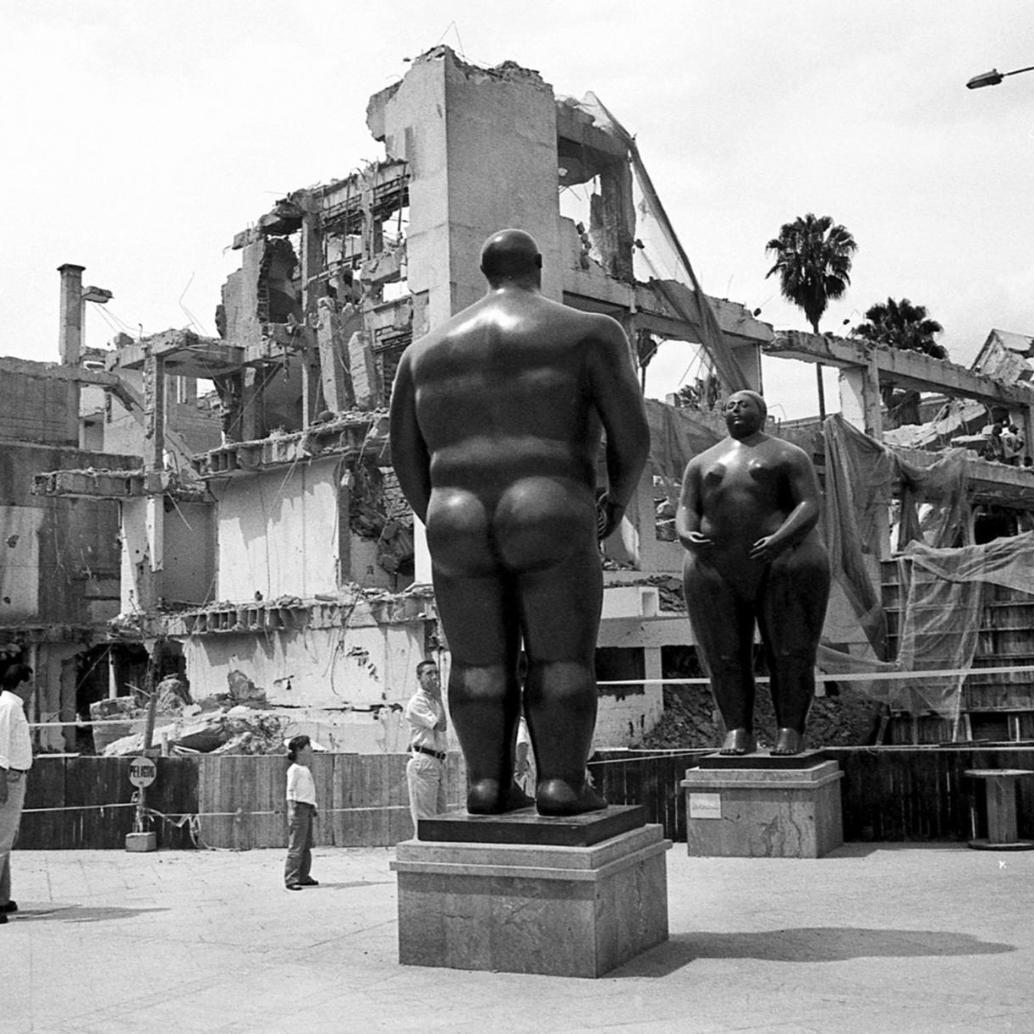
(764, 812)
(565, 911)
(142, 841)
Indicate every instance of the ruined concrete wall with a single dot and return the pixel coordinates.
(624, 717)
(356, 666)
(278, 532)
(35, 407)
(190, 549)
(481, 148)
(59, 557)
(195, 421)
(241, 300)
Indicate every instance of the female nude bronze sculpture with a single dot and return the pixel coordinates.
(747, 518)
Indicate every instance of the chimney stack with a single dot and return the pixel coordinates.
(70, 335)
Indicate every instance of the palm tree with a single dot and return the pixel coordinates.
(813, 260)
(902, 325)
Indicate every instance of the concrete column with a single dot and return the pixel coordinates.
(1024, 419)
(482, 154)
(112, 675)
(860, 398)
(70, 334)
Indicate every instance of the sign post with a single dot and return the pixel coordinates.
(142, 773)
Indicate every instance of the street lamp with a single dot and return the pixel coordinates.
(993, 78)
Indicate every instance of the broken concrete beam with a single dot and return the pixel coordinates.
(333, 330)
(365, 380)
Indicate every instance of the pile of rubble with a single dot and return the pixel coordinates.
(237, 722)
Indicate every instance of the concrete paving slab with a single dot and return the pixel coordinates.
(905, 938)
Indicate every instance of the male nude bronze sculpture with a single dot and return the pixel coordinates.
(747, 518)
(496, 419)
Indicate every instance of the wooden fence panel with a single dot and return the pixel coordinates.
(90, 784)
(923, 794)
(400, 825)
(324, 772)
(242, 801)
(173, 793)
(343, 796)
(45, 830)
(649, 779)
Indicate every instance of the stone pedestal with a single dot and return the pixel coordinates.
(762, 808)
(564, 909)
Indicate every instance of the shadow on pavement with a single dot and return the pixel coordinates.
(79, 913)
(806, 944)
(353, 885)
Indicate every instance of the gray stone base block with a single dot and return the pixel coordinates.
(764, 813)
(565, 911)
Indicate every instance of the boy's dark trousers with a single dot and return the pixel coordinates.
(299, 845)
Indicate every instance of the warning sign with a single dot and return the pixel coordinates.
(142, 772)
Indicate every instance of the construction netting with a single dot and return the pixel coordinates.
(941, 583)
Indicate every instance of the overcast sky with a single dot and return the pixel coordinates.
(141, 135)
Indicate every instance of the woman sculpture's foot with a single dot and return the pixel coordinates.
(788, 741)
(739, 741)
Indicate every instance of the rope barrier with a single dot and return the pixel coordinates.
(854, 676)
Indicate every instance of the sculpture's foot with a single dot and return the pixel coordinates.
(788, 742)
(559, 797)
(485, 797)
(738, 741)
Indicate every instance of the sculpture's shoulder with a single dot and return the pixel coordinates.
(593, 325)
(787, 451)
(710, 455)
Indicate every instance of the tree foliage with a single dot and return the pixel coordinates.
(902, 325)
(813, 259)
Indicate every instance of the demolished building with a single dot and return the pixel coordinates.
(284, 554)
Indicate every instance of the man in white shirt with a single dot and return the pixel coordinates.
(428, 744)
(15, 762)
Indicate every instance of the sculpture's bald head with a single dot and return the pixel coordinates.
(758, 399)
(511, 255)
(745, 413)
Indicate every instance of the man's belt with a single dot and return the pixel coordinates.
(440, 755)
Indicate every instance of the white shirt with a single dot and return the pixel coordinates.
(15, 742)
(301, 787)
(424, 712)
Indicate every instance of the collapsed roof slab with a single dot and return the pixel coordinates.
(350, 436)
(987, 481)
(117, 484)
(185, 354)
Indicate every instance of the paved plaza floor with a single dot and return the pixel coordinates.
(871, 938)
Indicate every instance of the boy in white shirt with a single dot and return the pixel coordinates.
(301, 810)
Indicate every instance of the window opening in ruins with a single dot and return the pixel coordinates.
(615, 663)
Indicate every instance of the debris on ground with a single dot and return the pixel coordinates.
(239, 721)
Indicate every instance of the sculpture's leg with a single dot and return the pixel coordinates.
(481, 624)
(560, 614)
(723, 625)
(791, 615)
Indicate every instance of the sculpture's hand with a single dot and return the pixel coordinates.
(608, 515)
(767, 548)
(601, 516)
(697, 542)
